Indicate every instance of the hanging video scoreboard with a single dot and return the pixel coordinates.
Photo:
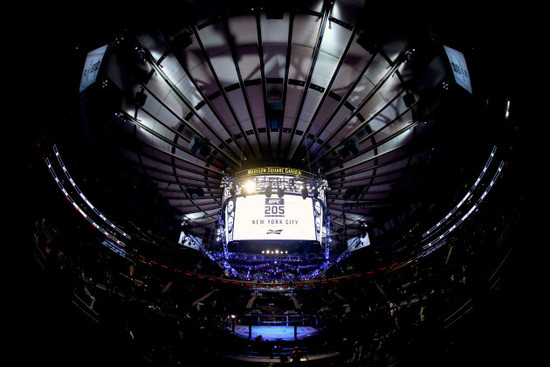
(257, 217)
(274, 203)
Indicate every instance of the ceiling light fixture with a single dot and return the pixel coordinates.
(303, 191)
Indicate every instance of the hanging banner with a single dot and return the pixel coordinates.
(91, 67)
(188, 241)
(460, 70)
(359, 242)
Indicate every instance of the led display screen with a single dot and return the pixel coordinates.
(258, 217)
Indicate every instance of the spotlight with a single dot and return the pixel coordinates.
(303, 190)
(248, 187)
(315, 193)
(197, 192)
(409, 99)
(140, 99)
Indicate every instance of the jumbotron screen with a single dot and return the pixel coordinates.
(257, 217)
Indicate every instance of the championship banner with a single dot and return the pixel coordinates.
(91, 67)
(460, 70)
(359, 242)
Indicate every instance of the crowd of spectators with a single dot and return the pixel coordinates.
(169, 318)
(403, 314)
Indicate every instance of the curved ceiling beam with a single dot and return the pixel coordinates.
(357, 110)
(221, 89)
(289, 152)
(326, 93)
(188, 104)
(232, 48)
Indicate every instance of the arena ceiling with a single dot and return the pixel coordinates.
(338, 88)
